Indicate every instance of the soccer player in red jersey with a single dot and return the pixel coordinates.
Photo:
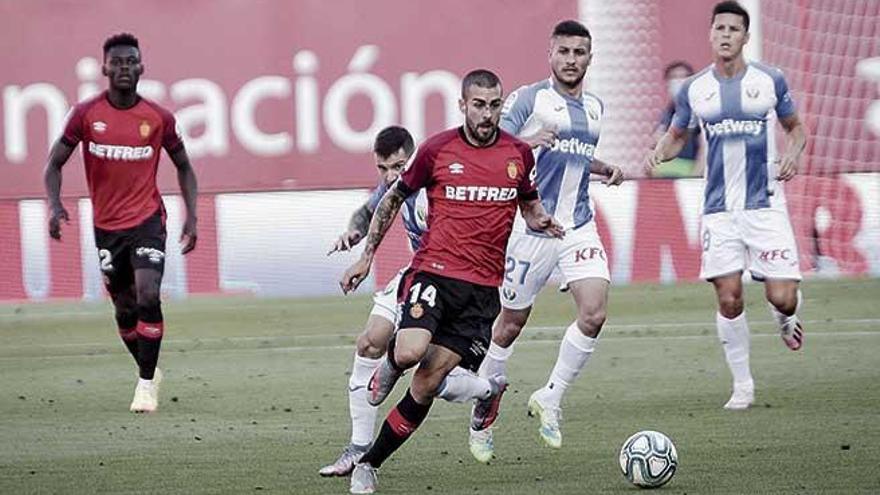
(475, 176)
(122, 135)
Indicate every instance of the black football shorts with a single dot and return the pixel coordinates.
(458, 314)
(121, 252)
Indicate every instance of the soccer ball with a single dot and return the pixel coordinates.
(648, 459)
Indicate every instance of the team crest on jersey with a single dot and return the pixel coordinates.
(144, 129)
(417, 311)
(99, 126)
(753, 92)
(512, 169)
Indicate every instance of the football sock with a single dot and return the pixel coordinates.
(785, 321)
(574, 352)
(130, 338)
(363, 415)
(149, 342)
(734, 337)
(461, 385)
(400, 423)
(495, 362)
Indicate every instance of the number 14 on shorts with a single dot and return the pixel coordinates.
(428, 294)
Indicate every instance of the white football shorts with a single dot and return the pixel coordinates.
(531, 259)
(761, 241)
(385, 300)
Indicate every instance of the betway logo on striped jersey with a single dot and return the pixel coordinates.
(122, 153)
(574, 146)
(731, 127)
(480, 193)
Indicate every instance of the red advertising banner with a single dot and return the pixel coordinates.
(270, 95)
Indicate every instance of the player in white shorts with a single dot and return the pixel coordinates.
(745, 223)
(392, 150)
(561, 121)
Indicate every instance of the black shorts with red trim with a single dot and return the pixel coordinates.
(121, 252)
(458, 314)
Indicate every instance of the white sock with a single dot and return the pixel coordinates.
(734, 337)
(460, 385)
(574, 352)
(495, 362)
(143, 382)
(363, 415)
(785, 322)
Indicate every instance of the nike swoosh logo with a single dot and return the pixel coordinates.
(355, 389)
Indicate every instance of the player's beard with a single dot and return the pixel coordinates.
(569, 85)
(477, 136)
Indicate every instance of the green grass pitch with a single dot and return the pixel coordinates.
(255, 400)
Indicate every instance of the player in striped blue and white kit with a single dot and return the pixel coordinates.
(562, 122)
(392, 150)
(745, 223)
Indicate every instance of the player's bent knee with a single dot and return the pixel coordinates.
(126, 318)
(368, 349)
(730, 306)
(591, 322)
(407, 357)
(149, 309)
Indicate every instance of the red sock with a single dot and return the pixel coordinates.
(149, 342)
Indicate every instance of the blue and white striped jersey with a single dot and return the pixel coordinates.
(414, 213)
(563, 170)
(737, 116)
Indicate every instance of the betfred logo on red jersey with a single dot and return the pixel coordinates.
(122, 153)
(480, 193)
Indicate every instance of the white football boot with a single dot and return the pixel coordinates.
(146, 394)
(743, 396)
(364, 479)
(550, 418)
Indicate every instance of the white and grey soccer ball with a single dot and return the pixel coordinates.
(648, 459)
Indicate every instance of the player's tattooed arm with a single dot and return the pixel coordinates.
(384, 216)
(58, 156)
(538, 219)
(787, 164)
(612, 173)
(186, 178)
(358, 226)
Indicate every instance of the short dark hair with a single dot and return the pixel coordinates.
(571, 28)
(391, 139)
(121, 39)
(731, 7)
(483, 78)
(676, 64)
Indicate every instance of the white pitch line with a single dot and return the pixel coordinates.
(108, 310)
(353, 333)
(525, 342)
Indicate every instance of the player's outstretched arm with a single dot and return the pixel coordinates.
(538, 219)
(58, 156)
(382, 220)
(667, 148)
(796, 135)
(358, 226)
(612, 173)
(186, 177)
